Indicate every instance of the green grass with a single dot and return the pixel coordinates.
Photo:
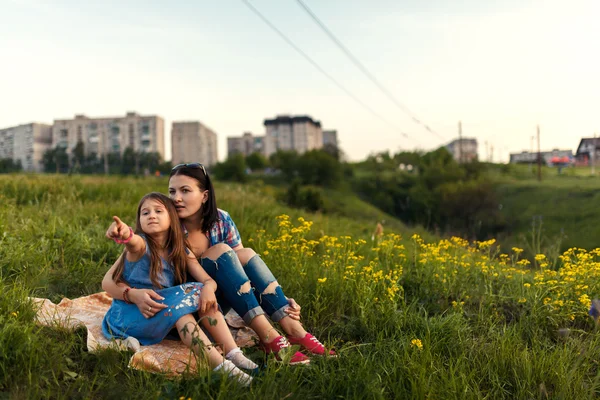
(566, 206)
(52, 245)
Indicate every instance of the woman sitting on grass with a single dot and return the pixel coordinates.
(154, 266)
(245, 282)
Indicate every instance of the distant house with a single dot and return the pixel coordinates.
(588, 148)
(549, 158)
(463, 149)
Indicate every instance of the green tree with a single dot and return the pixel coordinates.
(78, 157)
(287, 162)
(8, 165)
(232, 169)
(333, 151)
(128, 161)
(256, 161)
(316, 167)
(56, 160)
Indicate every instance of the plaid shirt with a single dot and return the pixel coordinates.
(223, 231)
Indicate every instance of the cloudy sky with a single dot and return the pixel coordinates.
(500, 67)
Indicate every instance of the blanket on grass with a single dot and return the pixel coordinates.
(171, 357)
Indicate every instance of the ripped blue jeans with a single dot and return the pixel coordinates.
(230, 276)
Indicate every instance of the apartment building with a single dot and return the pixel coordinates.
(463, 150)
(142, 133)
(191, 141)
(299, 133)
(26, 143)
(330, 137)
(248, 144)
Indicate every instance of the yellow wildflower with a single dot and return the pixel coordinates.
(322, 280)
(416, 343)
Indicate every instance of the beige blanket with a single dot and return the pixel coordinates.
(168, 356)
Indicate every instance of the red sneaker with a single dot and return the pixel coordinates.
(280, 343)
(312, 345)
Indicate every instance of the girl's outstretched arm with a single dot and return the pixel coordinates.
(144, 299)
(123, 233)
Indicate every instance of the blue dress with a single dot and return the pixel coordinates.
(123, 320)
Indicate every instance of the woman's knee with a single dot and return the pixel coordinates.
(245, 255)
(216, 251)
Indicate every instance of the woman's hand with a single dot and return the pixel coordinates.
(144, 299)
(293, 311)
(208, 300)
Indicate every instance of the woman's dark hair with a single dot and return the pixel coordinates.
(175, 245)
(210, 214)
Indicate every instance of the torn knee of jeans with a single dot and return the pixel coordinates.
(271, 288)
(245, 288)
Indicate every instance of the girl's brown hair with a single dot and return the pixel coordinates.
(175, 245)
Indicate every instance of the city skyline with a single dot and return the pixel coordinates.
(501, 68)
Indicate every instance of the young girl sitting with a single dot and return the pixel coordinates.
(150, 296)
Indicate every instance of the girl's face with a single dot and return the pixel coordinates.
(186, 195)
(154, 217)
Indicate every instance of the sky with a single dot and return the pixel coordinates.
(500, 67)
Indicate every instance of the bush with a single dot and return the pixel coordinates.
(305, 197)
(8, 165)
(233, 169)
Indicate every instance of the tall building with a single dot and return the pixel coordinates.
(463, 150)
(142, 133)
(27, 144)
(248, 144)
(330, 137)
(299, 133)
(191, 141)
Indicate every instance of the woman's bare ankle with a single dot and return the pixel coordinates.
(270, 335)
(293, 328)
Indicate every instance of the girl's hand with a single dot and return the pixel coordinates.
(118, 230)
(144, 299)
(293, 311)
(208, 301)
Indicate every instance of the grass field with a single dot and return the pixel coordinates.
(561, 209)
(410, 316)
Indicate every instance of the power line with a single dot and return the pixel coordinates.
(318, 67)
(365, 71)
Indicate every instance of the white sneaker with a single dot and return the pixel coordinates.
(237, 357)
(234, 372)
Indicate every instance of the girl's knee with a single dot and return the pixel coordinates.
(185, 321)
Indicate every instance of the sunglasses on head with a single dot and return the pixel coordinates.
(190, 165)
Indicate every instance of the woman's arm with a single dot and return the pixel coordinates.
(144, 299)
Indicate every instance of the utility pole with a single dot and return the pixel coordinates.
(491, 153)
(487, 152)
(105, 155)
(531, 138)
(460, 155)
(539, 155)
(593, 156)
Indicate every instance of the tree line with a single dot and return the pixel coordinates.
(420, 188)
(57, 160)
